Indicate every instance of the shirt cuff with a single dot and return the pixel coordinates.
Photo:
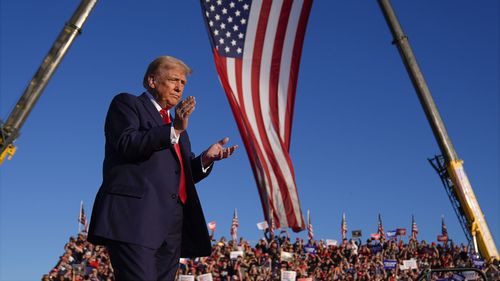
(203, 169)
(174, 138)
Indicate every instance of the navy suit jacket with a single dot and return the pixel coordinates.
(141, 181)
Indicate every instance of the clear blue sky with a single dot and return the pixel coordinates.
(360, 140)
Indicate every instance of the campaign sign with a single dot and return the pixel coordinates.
(410, 264)
(356, 233)
(391, 234)
(263, 225)
(470, 275)
(330, 242)
(390, 264)
(478, 263)
(286, 256)
(205, 277)
(457, 277)
(235, 254)
(186, 278)
(309, 249)
(401, 231)
(288, 275)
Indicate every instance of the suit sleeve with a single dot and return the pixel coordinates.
(126, 135)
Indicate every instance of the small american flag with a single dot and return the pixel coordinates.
(310, 231)
(414, 228)
(444, 231)
(234, 226)
(343, 227)
(380, 227)
(257, 47)
(82, 218)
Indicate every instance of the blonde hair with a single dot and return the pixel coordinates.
(162, 64)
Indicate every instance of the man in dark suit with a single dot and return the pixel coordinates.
(147, 211)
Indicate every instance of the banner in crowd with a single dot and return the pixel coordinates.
(457, 277)
(442, 238)
(186, 278)
(305, 279)
(205, 277)
(288, 275)
(256, 47)
(410, 264)
(356, 233)
(331, 242)
(390, 264)
(391, 234)
(478, 263)
(310, 249)
(375, 236)
(235, 254)
(401, 231)
(263, 225)
(286, 256)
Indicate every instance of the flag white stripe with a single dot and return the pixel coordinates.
(286, 57)
(275, 142)
(265, 70)
(248, 102)
(231, 78)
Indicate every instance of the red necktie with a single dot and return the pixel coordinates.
(182, 180)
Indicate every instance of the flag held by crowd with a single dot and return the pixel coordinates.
(343, 227)
(310, 231)
(234, 226)
(414, 228)
(82, 219)
(257, 47)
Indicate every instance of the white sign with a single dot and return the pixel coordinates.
(262, 225)
(205, 277)
(288, 275)
(235, 254)
(410, 264)
(286, 256)
(186, 278)
(330, 242)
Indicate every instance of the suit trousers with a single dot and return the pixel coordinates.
(134, 262)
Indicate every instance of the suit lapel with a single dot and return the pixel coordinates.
(151, 109)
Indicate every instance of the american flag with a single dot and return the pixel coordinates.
(380, 227)
(234, 226)
(82, 218)
(414, 229)
(343, 227)
(444, 231)
(257, 47)
(310, 231)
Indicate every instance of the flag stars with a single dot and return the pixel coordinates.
(235, 27)
(233, 42)
(231, 5)
(228, 34)
(219, 2)
(237, 13)
(212, 8)
(207, 14)
(240, 35)
(227, 49)
(224, 11)
(222, 26)
(216, 32)
(211, 23)
(243, 21)
(238, 50)
(230, 19)
(217, 17)
(221, 41)
(245, 7)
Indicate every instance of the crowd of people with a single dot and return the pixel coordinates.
(315, 259)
